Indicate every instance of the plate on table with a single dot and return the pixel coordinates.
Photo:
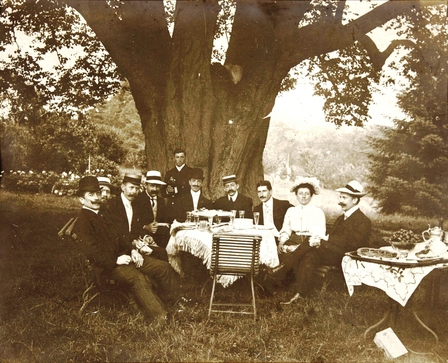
(376, 253)
(420, 256)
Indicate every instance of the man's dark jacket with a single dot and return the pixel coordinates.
(279, 210)
(348, 235)
(241, 203)
(185, 204)
(98, 240)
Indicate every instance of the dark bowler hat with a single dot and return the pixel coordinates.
(132, 178)
(197, 173)
(88, 184)
(229, 179)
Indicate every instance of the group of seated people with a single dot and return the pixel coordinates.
(125, 235)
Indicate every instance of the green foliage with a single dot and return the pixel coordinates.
(64, 68)
(308, 152)
(60, 143)
(409, 169)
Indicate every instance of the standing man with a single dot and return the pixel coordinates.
(234, 200)
(151, 209)
(272, 211)
(176, 180)
(195, 199)
(113, 257)
(350, 232)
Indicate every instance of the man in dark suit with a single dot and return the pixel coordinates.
(176, 180)
(127, 221)
(115, 258)
(151, 210)
(350, 232)
(233, 200)
(195, 200)
(272, 211)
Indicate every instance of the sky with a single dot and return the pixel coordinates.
(301, 107)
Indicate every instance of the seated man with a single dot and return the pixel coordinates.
(234, 200)
(115, 258)
(151, 210)
(350, 232)
(195, 199)
(272, 211)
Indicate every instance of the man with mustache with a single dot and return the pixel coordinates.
(234, 200)
(113, 258)
(350, 231)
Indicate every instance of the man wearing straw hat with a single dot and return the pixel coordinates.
(350, 231)
(234, 200)
(151, 209)
(112, 257)
(106, 188)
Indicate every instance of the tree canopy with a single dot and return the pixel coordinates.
(217, 112)
(409, 166)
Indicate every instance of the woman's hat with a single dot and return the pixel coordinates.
(353, 188)
(88, 184)
(132, 178)
(197, 173)
(154, 177)
(314, 182)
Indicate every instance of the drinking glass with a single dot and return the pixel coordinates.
(196, 220)
(210, 221)
(241, 214)
(188, 220)
(256, 218)
(218, 220)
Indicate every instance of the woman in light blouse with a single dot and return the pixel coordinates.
(304, 219)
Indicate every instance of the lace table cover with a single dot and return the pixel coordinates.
(199, 243)
(398, 282)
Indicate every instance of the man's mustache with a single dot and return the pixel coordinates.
(342, 204)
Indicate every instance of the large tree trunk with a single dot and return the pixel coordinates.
(217, 113)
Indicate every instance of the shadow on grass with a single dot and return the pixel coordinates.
(41, 289)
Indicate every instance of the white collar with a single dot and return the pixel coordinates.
(195, 193)
(90, 209)
(269, 203)
(234, 196)
(126, 201)
(351, 211)
(179, 168)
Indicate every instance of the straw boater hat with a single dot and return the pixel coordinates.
(353, 188)
(229, 179)
(132, 178)
(88, 184)
(314, 182)
(154, 177)
(197, 173)
(104, 180)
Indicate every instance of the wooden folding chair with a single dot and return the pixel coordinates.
(237, 255)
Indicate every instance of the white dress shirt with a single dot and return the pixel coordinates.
(195, 196)
(268, 213)
(128, 208)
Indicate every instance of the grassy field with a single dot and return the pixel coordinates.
(41, 287)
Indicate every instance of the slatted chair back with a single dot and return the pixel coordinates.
(237, 255)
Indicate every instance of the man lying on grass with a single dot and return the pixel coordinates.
(116, 259)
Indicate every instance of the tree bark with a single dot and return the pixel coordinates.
(217, 113)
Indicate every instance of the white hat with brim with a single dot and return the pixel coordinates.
(353, 188)
(154, 177)
(104, 181)
(314, 182)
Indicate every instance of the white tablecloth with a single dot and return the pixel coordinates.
(398, 282)
(199, 244)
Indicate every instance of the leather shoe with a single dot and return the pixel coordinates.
(293, 299)
(274, 270)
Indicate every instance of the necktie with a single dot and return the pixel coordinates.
(152, 202)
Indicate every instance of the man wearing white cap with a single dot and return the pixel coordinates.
(234, 200)
(151, 209)
(350, 231)
(106, 188)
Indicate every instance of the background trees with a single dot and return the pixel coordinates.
(409, 165)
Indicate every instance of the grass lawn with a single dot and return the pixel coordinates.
(41, 289)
